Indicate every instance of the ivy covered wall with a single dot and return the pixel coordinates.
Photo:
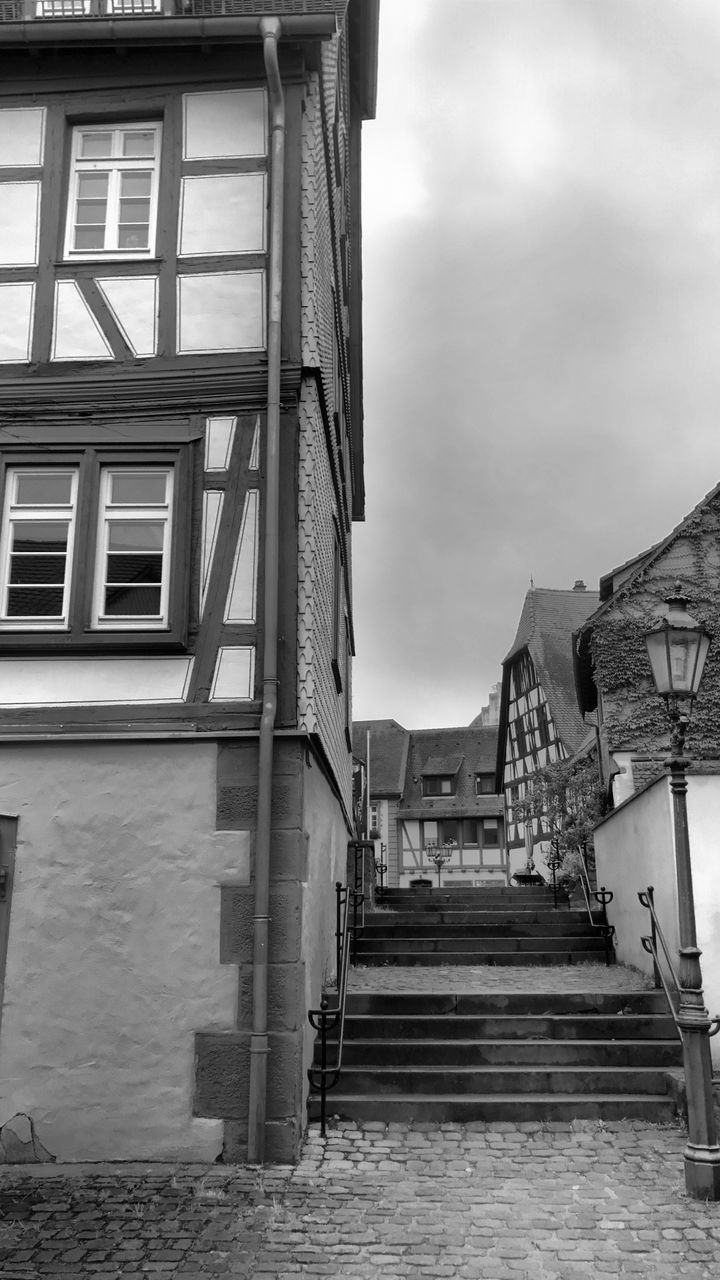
(634, 716)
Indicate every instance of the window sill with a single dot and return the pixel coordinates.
(55, 642)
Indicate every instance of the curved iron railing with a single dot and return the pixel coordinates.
(329, 1020)
(650, 944)
(602, 896)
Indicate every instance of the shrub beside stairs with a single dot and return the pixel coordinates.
(503, 1055)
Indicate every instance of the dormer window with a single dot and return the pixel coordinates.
(484, 784)
(439, 785)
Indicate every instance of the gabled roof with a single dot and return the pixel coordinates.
(388, 754)
(612, 587)
(628, 572)
(462, 753)
(547, 623)
(548, 620)
(441, 766)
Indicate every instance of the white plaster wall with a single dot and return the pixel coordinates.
(114, 939)
(634, 848)
(327, 837)
(704, 827)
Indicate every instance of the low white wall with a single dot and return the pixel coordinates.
(704, 826)
(634, 848)
(113, 959)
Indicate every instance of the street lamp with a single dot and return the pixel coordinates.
(439, 854)
(677, 647)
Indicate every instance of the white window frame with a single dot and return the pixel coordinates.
(114, 165)
(14, 513)
(156, 512)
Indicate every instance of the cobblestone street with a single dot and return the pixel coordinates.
(501, 1202)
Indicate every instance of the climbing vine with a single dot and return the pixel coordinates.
(634, 714)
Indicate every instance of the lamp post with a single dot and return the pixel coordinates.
(677, 648)
(439, 854)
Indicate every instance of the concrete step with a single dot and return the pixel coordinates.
(392, 936)
(431, 899)
(510, 1027)
(487, 1003)
(432, 1080)
(393, 1052)
(501, 917)
(477, 957)
(466, 1108)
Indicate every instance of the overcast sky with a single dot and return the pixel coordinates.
(542, 320)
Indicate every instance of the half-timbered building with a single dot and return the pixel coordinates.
(430, 789)
(180, 466)
(540, 720)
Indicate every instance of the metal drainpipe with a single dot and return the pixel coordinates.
(270, 30)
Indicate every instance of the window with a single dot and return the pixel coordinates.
(132, 560)
(438, 786)
(491, 833)
(484, 784)
(37, 538)
(90, 546)
(112, 207)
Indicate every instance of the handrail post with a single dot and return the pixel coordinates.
(338, 928)
(603, 897)
(653, 935)
(323, 1066)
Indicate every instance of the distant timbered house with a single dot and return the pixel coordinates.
(540, 721)
(435, 787)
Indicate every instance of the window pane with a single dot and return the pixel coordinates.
(40, 535)
(87, 238)
(138, 142)
(35, 602)
(134, 237)
(137, 489)
(132, 602)
(490, 833)
(95, 144)
(135, 212)
(90, 213)
(134, 569)
(37, 569)
(469, 831)
(136, 185)
(92, 186)
(136, 535)
(49, 489)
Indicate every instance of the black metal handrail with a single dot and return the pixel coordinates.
(602, 896)
(650, 944)
(329, 1019)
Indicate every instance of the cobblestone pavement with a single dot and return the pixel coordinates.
(478, 979)
(474, 1202)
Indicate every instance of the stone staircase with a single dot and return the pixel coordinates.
(497, 925)
(460, 1055)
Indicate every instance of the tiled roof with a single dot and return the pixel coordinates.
(473, 748)
(388, 754)
(441, 766)
(547, 622)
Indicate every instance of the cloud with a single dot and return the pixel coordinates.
(541, 323)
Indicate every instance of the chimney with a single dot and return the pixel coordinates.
(579, 585)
